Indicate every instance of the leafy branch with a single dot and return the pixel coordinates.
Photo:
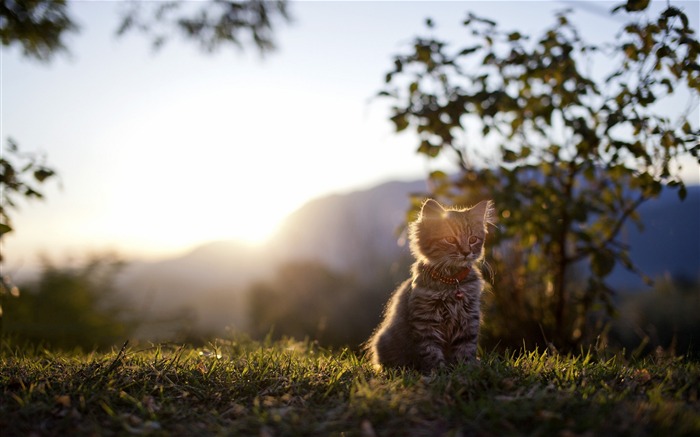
(576, 155)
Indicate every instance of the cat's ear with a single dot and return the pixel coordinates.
(432, 209)
(483, 210)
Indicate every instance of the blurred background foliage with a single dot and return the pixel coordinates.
(20, 177)
(211, 25)
(309, 300)
(40, 27)
(71, 307)
(663, 321)
(82, 307)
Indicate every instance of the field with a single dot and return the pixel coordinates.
(295, 388)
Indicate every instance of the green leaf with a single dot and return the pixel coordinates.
(438, 175)
(580, 213)
(400, 121)
(631, 51)
(636, 5)
(654, 187)
(668, 140)
(4, 229)
(509, 156)
(42, 174)
(428, 149)
(469, 50)
(602, 263)
(583, 236)
(687, 129)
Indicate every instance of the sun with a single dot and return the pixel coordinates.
(183, 217)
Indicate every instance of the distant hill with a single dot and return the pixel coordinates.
(349, 232)
(669, 244)
(198, 291)
(357, 232)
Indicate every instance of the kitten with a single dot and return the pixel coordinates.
(433, 318)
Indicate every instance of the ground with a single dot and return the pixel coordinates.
(242, 387)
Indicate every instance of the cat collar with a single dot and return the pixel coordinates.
(449, 280)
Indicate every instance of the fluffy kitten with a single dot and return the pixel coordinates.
(433, 318)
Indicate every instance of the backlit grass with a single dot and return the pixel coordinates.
(290, 388)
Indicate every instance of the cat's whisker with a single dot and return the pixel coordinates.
(489, 269)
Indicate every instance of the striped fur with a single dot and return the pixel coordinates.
(429, 323)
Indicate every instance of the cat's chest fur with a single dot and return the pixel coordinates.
(446, 311)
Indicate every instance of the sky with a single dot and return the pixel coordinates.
(158, 152)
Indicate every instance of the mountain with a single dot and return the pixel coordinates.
(356, 232)
(668, 244)
(349, 232)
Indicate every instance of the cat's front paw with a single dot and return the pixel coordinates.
(430, 374)
(431, 357)
(433, 367)
(465, 353)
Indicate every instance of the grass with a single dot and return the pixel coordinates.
(290, 388)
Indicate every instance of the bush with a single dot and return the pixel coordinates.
(69, 308)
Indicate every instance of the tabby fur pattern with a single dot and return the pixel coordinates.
(433, 318)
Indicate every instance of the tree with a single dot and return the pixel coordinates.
(213, 25)
(20, 175)
(577, 151)
(40, 26)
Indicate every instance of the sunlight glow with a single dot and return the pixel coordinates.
(192, 174)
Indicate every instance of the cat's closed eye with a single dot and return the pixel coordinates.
(450, 240)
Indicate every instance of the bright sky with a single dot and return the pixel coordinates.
(158, 153)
